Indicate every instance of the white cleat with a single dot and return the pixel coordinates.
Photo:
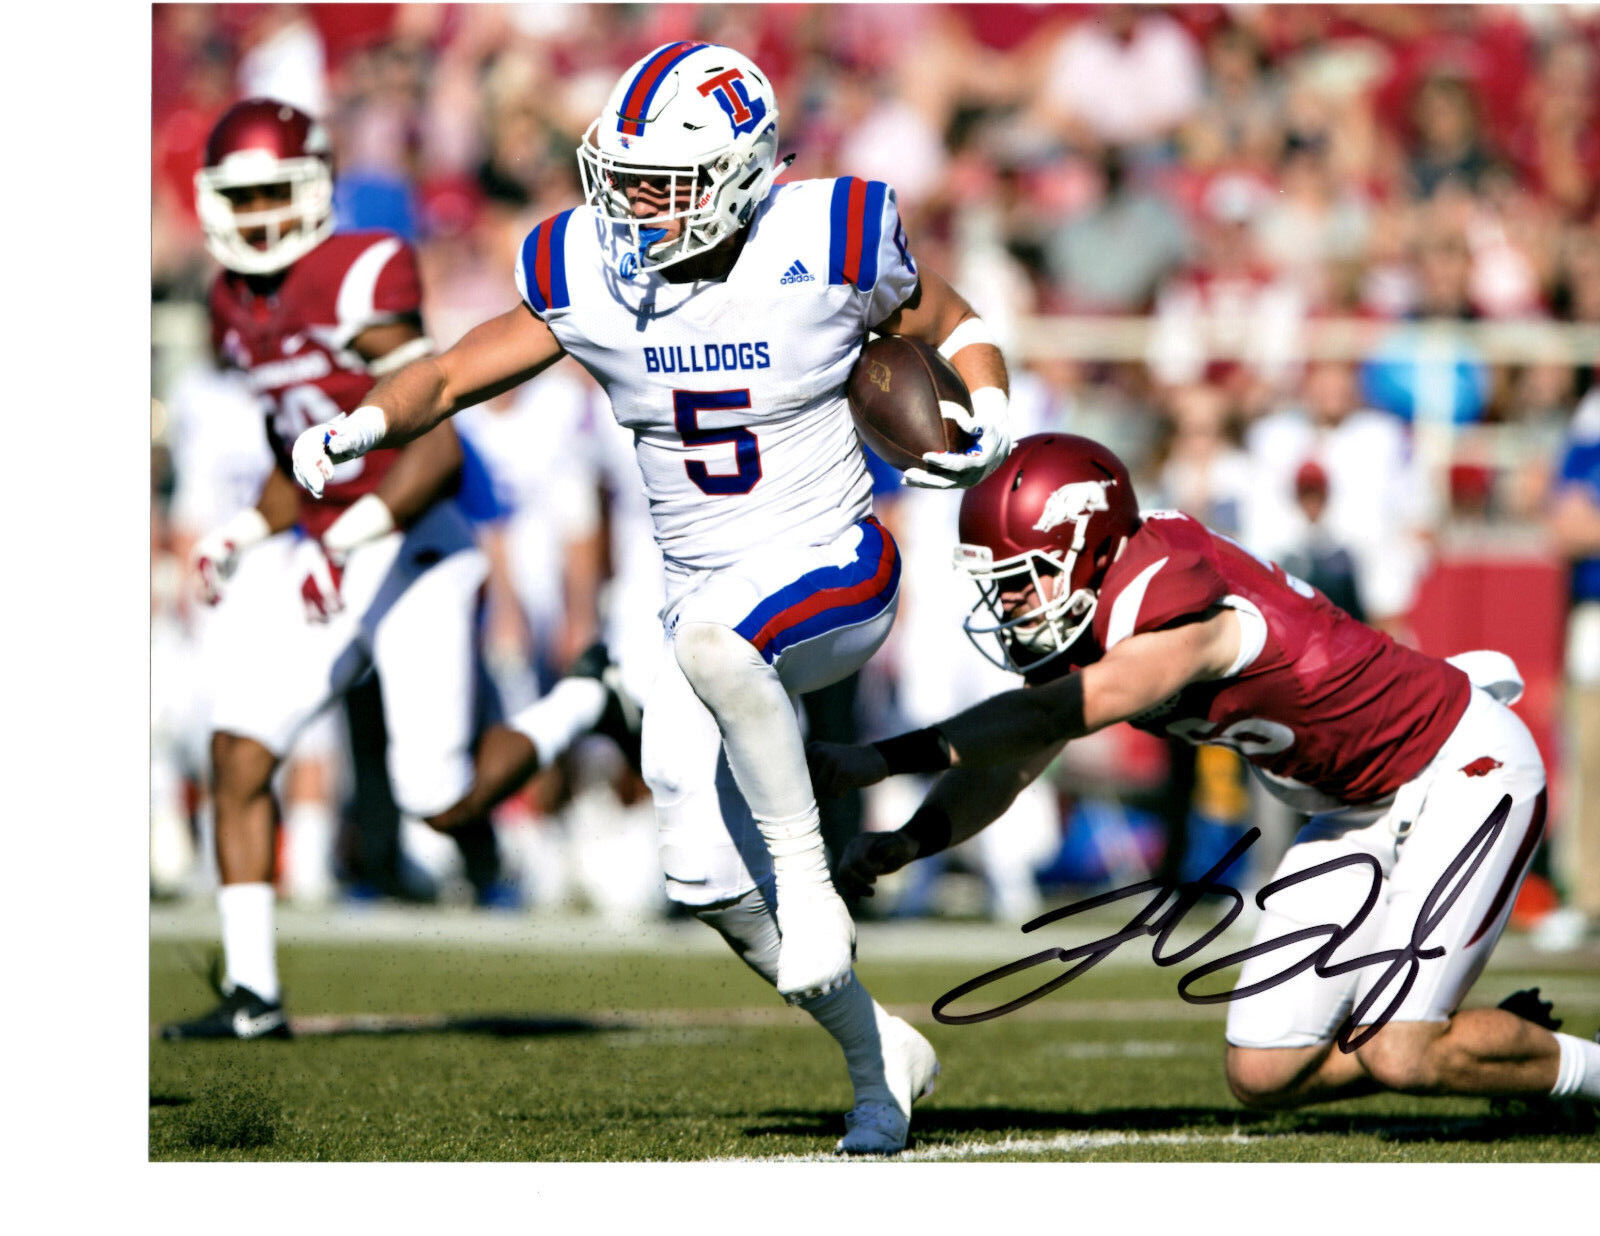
(818, 945)
(911, 1067)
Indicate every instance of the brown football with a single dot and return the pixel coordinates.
(894, 393)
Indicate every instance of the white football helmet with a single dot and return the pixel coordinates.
(702, 119)
(263, 142)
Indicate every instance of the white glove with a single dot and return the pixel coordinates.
(215, 556)
(989, 423)
(345, 437)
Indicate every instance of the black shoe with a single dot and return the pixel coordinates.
(1570, 1114)
(241, 1015)
(621, 720)
(1527, 1005)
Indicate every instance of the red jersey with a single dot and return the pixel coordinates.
(293, 344)
(1331, 710)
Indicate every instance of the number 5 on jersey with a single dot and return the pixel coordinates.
(686, 407)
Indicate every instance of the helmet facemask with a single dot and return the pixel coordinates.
(293, 230)
(1040, 633)
(712, 198)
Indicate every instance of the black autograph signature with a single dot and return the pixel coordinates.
(1404, 963)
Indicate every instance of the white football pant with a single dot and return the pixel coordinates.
(1489, 755)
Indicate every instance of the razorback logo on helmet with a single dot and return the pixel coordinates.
(727, 87)
(1072, 501)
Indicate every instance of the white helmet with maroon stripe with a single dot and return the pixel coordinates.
(701, 121)
(1053, 517)
(265, 144)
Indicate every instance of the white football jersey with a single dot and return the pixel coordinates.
(735, 390)
(220, 455)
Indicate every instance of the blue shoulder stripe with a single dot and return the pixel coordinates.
(544, 264)
(529, 260)
(855, 224)
(836, 228)
(871, 234)
(559, 298)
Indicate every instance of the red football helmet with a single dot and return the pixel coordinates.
(1054, 515)
(265, 144)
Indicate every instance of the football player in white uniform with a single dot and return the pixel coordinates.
(722, 314)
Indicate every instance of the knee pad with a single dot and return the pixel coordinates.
(750, 927)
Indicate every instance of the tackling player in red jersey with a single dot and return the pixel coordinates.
(385, 574)
(1117, 615)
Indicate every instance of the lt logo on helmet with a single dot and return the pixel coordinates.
(728, 89)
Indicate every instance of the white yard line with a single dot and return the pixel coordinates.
(1073, 1143)
(1060, 1144)
(1126, 1049)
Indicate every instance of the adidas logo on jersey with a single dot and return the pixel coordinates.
(797, 273)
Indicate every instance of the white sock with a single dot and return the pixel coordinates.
(858, 1024)
(855, 1020)
(554, 722)
(1579, 1069)
(799, 857)
(308, 851)
(248, 947)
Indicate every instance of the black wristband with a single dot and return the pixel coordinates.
(929, 827)
(921, 751)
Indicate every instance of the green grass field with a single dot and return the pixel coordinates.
(594, 1052)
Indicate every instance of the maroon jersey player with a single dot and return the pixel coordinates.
(310, 343)
(312, 320)
(384, 574)
(1114, 615)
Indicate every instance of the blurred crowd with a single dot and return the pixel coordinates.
(1230, 176)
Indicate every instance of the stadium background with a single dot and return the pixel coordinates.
(1324, 260)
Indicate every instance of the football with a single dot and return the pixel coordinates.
(894, 392)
